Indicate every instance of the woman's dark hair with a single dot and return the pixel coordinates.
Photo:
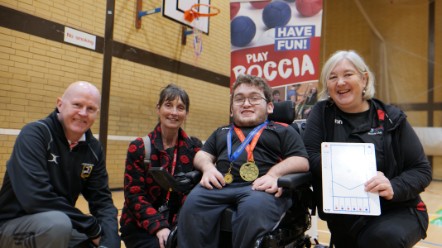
(171, 92)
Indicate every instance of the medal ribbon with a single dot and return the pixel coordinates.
(245, 141)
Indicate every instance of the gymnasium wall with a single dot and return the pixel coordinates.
(36, 65)
(393, 37)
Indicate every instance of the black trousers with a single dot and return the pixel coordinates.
(256, 214)
(396, 228)
(139, 238)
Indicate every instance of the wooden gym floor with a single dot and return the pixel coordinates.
(432, 197)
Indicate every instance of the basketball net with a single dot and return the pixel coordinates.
(192, 15)
(197, 38)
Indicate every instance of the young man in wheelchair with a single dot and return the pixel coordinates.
(241, 164)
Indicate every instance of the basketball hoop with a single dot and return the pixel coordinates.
(193, 12)
(192, 15)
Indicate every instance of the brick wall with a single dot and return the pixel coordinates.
(34, 71)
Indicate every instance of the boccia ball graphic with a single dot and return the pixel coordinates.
(259, 4)
(234, 9)
(242, 31)
(276, 14)
(308, 8)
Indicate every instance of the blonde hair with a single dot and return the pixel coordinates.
(359, 64)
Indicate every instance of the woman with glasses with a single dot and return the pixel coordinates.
(349, 113)
(149, 211)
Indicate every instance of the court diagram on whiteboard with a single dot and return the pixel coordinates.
(345, 169)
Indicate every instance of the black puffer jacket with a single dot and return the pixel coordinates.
(404, 162)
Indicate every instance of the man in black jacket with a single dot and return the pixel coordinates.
(54, 161)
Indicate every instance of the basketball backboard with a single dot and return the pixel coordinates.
(174, 10)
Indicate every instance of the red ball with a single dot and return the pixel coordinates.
(259, 4)
(234, 9)
(308, 7)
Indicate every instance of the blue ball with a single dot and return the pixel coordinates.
(242, 31)
(276, 14)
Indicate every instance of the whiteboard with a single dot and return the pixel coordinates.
(345, 169)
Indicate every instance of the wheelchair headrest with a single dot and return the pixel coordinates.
(283, 112)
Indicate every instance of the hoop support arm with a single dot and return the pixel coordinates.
(140, 13)
(184, 33)
(148, 12)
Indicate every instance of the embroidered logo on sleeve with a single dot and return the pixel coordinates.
(87, 170)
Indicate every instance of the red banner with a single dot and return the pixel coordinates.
(278, 68)
(276, 40)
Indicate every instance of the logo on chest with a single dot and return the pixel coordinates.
(86, 170)
(339, 122)
(376, 131)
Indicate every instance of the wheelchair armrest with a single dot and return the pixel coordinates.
(162, 177)
(194, 176)
(179, 182)
(294, 180)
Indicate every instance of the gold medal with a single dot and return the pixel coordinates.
(249, 171)
(228, 178)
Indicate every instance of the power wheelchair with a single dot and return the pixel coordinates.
(290, 232)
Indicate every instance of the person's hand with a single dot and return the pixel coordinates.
(267, 183)
(212, 177)
(96, 241)
(380, 184)
(162, 236)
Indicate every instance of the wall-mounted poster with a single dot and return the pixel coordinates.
(279, 40)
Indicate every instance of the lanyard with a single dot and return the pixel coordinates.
(172, 171)
(254, 134)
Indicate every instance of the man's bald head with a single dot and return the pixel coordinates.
(83, 87)
(78, 108)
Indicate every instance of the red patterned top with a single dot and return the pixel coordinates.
(142, 195)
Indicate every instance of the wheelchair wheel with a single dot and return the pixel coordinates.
(282, 239)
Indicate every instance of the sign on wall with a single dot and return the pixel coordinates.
(79, 38)
(279, 41)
